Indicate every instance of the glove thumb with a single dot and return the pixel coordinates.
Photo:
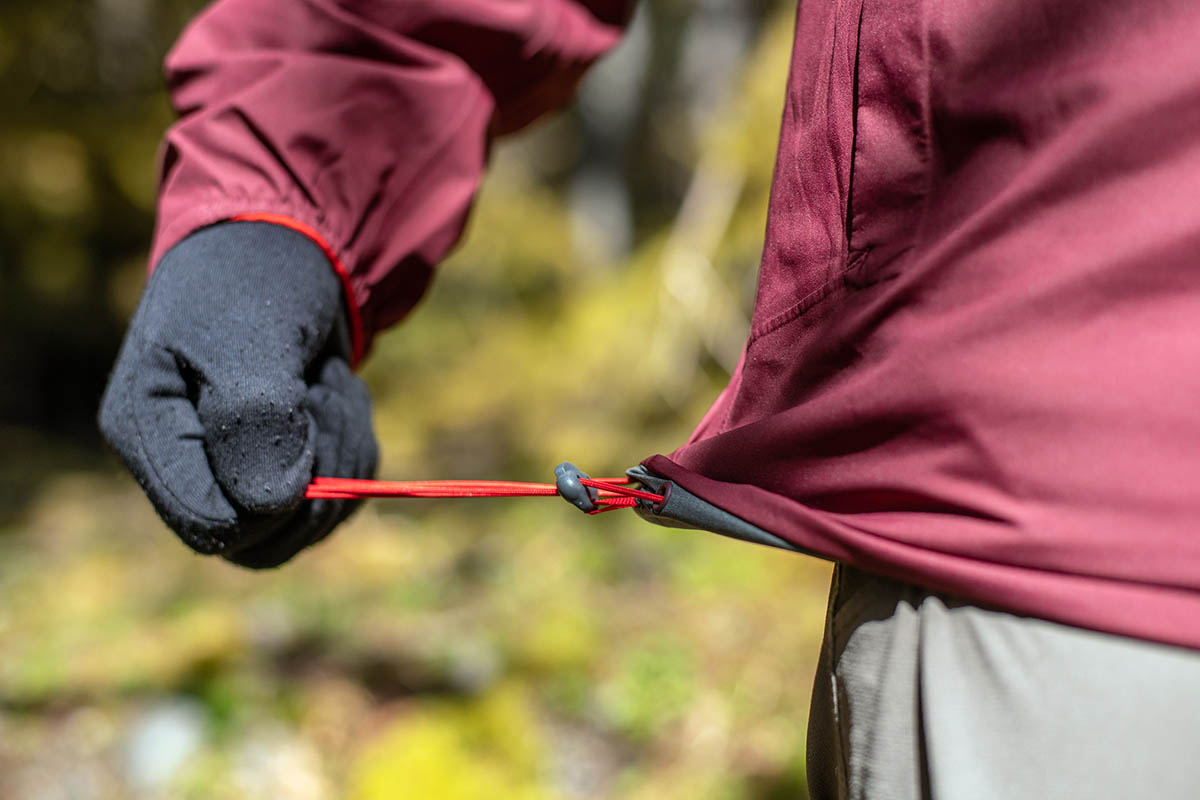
(260, 439)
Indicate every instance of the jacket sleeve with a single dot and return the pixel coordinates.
(363, 124)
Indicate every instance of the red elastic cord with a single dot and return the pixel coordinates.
(357, 335)
(612, 492)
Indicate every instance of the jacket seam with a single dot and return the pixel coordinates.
(801, 307)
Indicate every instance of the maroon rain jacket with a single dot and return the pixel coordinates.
(974, 361)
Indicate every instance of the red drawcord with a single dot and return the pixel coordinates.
(611, 492)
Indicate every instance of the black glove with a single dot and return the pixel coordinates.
(232, 390)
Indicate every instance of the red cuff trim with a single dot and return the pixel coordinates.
(357, 336)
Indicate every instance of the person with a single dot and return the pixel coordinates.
(969, 378)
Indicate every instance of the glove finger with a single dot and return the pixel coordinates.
(277, 543)
(328, 514)
(346, 445)
(148, 417)
(341, 406)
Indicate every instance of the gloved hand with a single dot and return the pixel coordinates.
(232, 389)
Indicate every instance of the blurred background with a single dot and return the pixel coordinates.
(431, 649)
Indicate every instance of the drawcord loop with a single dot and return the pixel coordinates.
(591, 495)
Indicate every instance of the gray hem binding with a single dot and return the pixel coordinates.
(682, 509)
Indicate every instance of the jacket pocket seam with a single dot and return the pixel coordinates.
(798, 309)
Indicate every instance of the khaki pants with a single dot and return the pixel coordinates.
(923, 696)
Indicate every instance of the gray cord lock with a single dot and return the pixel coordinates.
(567, 477)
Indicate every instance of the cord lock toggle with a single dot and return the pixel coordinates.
(569, 481)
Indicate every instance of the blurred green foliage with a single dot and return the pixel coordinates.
(465, 649)
(83, 109)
